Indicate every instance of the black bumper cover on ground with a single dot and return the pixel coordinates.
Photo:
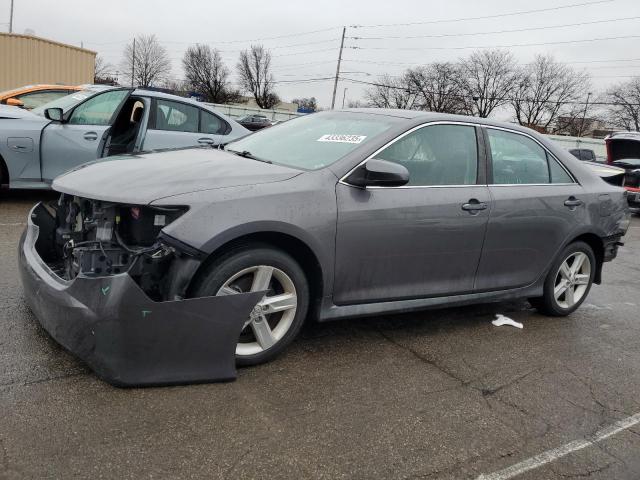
(125, 337)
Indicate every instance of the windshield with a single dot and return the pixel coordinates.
(313, 141)
(67, 102)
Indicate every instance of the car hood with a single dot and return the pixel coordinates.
(143, 178)
(9, 111)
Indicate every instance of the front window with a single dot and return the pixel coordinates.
(66, 103)
(437, 155)
(313, 141)
(98, 110)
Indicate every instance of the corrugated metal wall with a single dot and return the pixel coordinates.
(27, 60)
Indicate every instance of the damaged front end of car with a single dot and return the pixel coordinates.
(96, 238)
(109, 286)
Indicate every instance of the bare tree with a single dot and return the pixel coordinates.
(487, 78)
(625, 111)
(102, 69)
(148, 64)
(437, 87)
(254, 72)
(545, 92)
(207, 74)
(391, 92)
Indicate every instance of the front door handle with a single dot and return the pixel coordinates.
(206, 141)
(91, 136)
(474, 206)
(572, 202)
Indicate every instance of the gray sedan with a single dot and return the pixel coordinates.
(99, 122)
(333, 215)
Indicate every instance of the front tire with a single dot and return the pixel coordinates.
(278, 317)
(568, 282)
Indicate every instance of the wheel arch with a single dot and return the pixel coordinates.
(285, 241)
(597, 245)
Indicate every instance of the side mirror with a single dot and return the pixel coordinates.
(379, 173)
(15, 102)
(54, 114)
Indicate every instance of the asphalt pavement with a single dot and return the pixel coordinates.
(440, 394)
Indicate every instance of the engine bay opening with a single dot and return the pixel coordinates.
(96, 238)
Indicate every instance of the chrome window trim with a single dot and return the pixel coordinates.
(391, 142)
(546, 150)
(469, 124)
(531, 184)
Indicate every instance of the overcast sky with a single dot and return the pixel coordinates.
(231, 26)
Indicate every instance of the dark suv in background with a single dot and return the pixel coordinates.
(623, 150)
(254, 122)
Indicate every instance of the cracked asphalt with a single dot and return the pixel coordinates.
(440, 394)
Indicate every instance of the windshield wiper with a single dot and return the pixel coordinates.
(248, 154)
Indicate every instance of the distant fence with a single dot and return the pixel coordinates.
(595, 144)
(236, 111)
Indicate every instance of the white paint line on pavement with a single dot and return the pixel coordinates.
(562, 451)
(12, 224)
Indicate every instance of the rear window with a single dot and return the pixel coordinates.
(176, 116)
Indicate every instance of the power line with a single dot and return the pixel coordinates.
(227, 42)
(623, 37)
(494, 32)
(305, 53)
(499, 15)
(376, 62)
(296, 65)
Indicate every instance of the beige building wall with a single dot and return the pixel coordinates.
(28, 60)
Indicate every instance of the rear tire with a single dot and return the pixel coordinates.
(278, 318)
(568, 282)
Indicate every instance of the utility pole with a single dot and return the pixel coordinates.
(344, 95)
(11, 18)
(335, 83)
(133, 61)
(584, 114)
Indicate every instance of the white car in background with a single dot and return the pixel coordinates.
(100, 122)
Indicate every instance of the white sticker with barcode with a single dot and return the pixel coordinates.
(342, 138)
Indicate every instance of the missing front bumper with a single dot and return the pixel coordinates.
(125, 337)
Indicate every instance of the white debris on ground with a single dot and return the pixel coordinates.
(502, 320)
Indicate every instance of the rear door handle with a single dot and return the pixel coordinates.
(206, 141)
(474, 206)
(572, 202)
(91, 136)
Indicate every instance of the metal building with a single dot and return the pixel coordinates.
(28, 60)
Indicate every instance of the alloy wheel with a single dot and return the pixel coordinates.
(572, 280)
(272, 317)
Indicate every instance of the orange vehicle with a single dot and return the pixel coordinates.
(32, 96)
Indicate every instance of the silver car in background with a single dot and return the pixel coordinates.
(99, 122)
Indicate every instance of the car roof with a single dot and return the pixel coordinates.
(168, 96)
(624, 136)
(150, 93)
(421, 116)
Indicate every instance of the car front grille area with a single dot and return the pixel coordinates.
(97, 239)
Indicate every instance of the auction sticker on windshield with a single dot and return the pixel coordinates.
(342, 138)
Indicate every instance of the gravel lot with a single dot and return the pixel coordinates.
(439, 394)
